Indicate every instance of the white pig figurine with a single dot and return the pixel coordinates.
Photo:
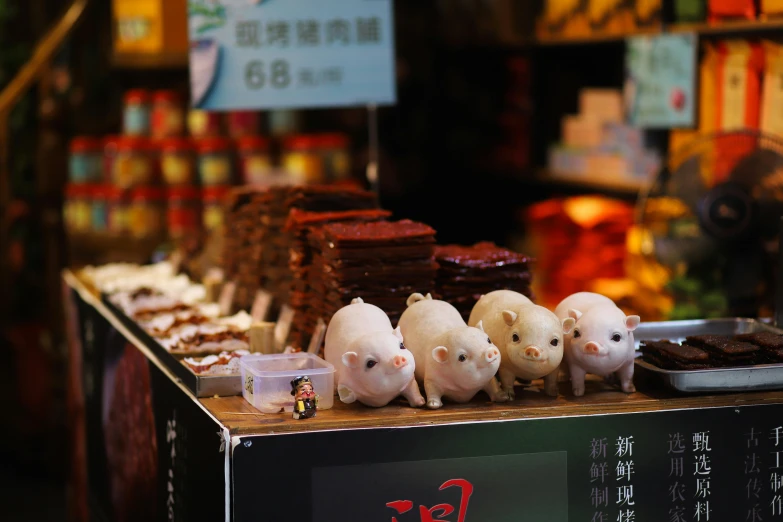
(453, 360)
(601, 342)
(373, 366)
(529, 336)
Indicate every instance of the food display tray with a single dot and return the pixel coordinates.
(737, 379)
(199, 385)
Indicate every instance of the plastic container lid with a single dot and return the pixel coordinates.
(177, 145)
(207, 145)
(184, 193)
(332, 140)
(300, 142)
(253, 143)
(85, 144)
(166, 96)
(142, 193)
(215, 193)
(137, 96)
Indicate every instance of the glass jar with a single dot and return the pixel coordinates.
(215, 161)
(254, 160)
(133, 164)
(76, 210)
(214, 207)
(177, 162)
(84, 164)
(335, 156)
(99, 219)
(242, 123)
(203, 124)
(301, 159)
(145, 213)
(168, 115)
(136, 113)
(117, 207)
(183, 216)
(110, 146)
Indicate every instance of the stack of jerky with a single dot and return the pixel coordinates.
(725, 351)
(300, 225)
(771, 345)
(381, 262)
(466, 273)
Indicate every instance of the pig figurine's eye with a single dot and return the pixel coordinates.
(577, 335)
(515, 338)
(371, 363)
(616, 337)
(489, 341)
(554, 342)
(462, 357)
(402, 346)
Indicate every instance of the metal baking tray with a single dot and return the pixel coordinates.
(199, 385)
(742, 378)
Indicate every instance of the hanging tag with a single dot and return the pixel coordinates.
(261, 305)
(283, 327)
(226, 300)
(318, 337)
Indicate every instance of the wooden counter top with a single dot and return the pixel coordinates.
(242, 419)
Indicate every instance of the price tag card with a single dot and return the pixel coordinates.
(283, 327)
(318, 337)
(226, 299)
(261, 305)
(660, 84)
(291, 54)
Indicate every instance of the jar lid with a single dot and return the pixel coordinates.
(147, 193)
(76, 190)
(215, 192)
(176, 145)
(99, 191)
(134, 144)
(332, 140)
(114, 193)
(166, 95)
(111, 140)
(300, 142)
(85, 143)
(252, 142)
(188, 192)
(206, 145)
(137, 96)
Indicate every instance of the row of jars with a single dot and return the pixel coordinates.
(161, 114)
(143, 212)
(128, 162)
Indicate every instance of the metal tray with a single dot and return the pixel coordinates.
(199, 385)
(742, 378)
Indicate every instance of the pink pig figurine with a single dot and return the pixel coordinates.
(373, 366)
(453, 360)
(601, 342)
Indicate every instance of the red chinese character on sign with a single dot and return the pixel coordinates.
(439, 510)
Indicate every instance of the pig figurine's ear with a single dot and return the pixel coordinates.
(509, 317)
(351, 359)
(568, 324)
(440, 354)
(480, 325)
(398, 333)
(574, 314)
(357, 300)
(631, 322)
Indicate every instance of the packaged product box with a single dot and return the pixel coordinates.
(690, 10)
(610, 16)
(604, 105)
(740, 64)
(150, 26)
(647, 13)
(564, 18)
(581, 131)
(567, 161)
(772, 92)
(771, 7)
(731, 9)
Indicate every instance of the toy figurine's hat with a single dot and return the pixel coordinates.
(298, 382)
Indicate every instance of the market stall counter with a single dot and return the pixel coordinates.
(156, 450)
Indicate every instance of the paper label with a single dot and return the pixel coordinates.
(226, 299)
(734, 84)
(318, 337)
(261, 305)
(283, 327)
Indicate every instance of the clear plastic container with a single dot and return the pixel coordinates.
(266, 380)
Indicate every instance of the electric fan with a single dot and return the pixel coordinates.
(711, 220)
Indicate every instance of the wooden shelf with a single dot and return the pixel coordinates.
(727, 27)
(630, 188)
(150, 61)
(589, 39)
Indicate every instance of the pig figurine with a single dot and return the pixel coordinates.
(529, 336)
(601, 342)
(453, 360)
(373, 366)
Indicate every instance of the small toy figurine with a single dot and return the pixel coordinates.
(305, 399)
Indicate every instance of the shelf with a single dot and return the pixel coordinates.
(150, 60)
(629, 188)
(727, 27)
(589, 39)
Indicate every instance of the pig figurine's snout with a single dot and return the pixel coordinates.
(533, 353)
(593, 348)
(400, 361)
(491, 355)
